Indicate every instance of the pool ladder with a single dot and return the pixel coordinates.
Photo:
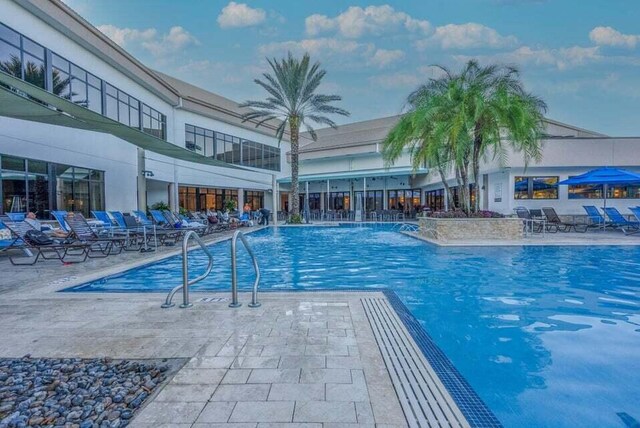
(186, 282)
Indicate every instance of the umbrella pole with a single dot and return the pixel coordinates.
(605, 187)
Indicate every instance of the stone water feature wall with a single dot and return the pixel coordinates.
(470, 229)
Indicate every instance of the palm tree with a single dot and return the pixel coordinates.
(462, 118)
(292, 100)
(434, 133)
(501, 111)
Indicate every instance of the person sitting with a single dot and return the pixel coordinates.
(246, 208)
(32, 220)
(245, 220)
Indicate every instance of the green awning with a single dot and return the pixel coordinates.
(44, 107)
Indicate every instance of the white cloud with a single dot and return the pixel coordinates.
(149, 39)
(236, 15)
(400, 80)
(322, 47)
(384, 57)
(464, 36)
(607, 36)
(562, 58)
(357, 21)
(126, 36)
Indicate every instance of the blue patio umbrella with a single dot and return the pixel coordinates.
(606, 177)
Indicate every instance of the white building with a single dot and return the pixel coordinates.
(346, 161)
(85, 126)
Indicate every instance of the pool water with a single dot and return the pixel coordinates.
(547, 336)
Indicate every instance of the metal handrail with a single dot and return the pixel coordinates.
(186, 283)
(234, 272)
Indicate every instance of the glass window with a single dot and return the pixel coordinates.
(34, 70)
(9, 35)
(14, 188)
(79, 92)
(33, 48)
(10, 60)
(591, 191)
(535, 188)
(37, 167)
(13, 164)
(38, 197)
(112, 108)
(94, 99)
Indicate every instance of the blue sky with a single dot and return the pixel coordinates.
(581, 56)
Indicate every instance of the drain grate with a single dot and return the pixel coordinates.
(212, 299)
(424, 399)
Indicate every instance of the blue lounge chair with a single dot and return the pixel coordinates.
(60, 218)
(621, 222)
(596, 219)
(166, 236)
(67, 251)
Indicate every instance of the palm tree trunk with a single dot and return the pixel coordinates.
(464, 189)
(475, 164)
(447, 189)
(294, 129)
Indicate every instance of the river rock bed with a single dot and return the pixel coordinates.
(79, 393)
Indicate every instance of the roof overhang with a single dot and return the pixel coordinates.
(346, 175)
(28, 102)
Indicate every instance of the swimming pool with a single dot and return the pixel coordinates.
(547, 336)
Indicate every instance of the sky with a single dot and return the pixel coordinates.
(581, 56)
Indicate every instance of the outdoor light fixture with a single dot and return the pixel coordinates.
(147, 173)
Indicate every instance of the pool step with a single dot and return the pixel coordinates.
(424, 399)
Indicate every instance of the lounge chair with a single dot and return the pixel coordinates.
(166, 236)
(60, 217)
(100, 245)
(636, 212)
(621, 222)
(534, 225)
(596, 219)
(563, 226)
(66, 251)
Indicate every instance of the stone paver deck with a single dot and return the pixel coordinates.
(301, 359)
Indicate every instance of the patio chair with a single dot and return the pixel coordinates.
(100, 245)
(166, 236)
(554, 219)
(636, 212)
(531, 225)
(597, 220)
(67, 251)
(60, 216)
(621, 222)
(180, 223)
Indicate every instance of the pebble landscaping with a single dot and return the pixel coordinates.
(78, 393)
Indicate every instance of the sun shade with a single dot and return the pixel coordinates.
(32, 103)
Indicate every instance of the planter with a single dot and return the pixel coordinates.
(470, 229)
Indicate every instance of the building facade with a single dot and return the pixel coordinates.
(346, 163)
(85, 126)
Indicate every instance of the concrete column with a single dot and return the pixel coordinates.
(240, 199)
(173, 190)
(385, 199)
(364, 196)
(274, 201)
(142, 182)
(328, 192)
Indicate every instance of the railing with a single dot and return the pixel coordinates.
(234, 272)
(186, 283)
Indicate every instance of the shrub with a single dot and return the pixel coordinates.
(295, 219)
(462, 214)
